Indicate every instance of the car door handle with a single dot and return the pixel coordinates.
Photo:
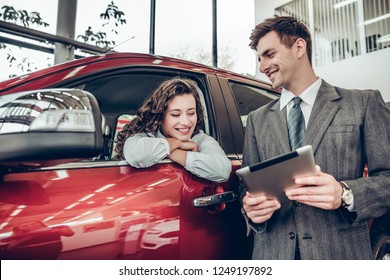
(214, 199)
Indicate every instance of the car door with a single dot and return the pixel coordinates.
(102, 208)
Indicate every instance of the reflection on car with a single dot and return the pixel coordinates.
(163, 234)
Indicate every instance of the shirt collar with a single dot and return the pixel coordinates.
(308, 96)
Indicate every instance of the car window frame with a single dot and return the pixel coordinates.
(202, 80)
(233, 108)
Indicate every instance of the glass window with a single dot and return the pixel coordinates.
(130, 37)
(123, 93)
(183, 27)
(249, 98)
(124, 119)
(233, 51)
(377, 24)
(343, 29)
(119, 97)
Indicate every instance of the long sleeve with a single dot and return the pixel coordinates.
(210, 162)
(142, 151)
(372, 194)
(250, 156)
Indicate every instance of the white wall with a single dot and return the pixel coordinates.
(266, 8)
(361, 72)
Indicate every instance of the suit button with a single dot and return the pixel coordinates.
(297, 204)
(291, 235)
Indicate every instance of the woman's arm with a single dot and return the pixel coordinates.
(202, 157)
(179, 150)
(210, 162)
(141, 150)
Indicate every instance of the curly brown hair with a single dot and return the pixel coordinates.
(288, 28)
(150, 115)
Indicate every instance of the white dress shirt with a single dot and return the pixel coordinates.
(308, 97)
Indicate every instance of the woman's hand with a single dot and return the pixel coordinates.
(179, 149)
(183, 145)
(188, 146)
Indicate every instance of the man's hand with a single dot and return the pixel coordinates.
(258, 208)
(321, 191)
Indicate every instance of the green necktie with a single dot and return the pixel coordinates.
(296, 124)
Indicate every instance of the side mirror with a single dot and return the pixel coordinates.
(49, 124)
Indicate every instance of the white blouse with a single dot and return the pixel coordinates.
(143, 150)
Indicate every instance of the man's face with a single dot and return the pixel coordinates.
(276, 60)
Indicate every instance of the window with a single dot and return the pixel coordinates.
(249, 98)
(343, 28)
(120, 95)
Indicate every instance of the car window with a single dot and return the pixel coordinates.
(249, 98)
(120, 95)
(124, 119)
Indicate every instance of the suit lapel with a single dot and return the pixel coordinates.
(321, 115)
(277, 123)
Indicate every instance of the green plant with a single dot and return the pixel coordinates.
(10, 14)
(112, 15)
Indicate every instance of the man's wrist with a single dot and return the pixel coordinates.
(347, 199)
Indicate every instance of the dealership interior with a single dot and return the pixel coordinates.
(352, 37)
(96, 75)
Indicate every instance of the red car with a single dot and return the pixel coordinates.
(64, 196)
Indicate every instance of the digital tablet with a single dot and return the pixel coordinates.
(272, 177)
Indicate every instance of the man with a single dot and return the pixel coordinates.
(327, 217)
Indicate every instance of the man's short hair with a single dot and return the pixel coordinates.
(288, 29)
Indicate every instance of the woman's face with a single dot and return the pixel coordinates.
(180, 118)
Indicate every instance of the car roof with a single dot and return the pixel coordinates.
(89, 64)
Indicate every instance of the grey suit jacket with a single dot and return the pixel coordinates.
(347, 129)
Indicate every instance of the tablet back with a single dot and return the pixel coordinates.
(272, 177)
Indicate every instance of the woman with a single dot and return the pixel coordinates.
(169, 124)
